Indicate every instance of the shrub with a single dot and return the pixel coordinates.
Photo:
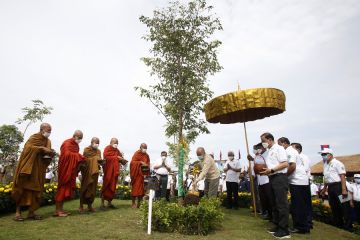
(192, 219)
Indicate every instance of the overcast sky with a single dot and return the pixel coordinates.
(83, 59)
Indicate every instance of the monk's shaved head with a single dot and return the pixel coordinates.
(200, 151)
(114, 141)
(95, 140)
(143, 146)
(45, 127)
(78, 134)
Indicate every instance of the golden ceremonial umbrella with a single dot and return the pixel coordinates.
(243, 106)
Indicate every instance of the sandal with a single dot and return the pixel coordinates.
(60, 214)
(18, 219)
(91, 210)
(35, 217)
(81, 210)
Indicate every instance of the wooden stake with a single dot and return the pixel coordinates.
(250, 173)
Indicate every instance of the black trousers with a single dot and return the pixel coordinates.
(232, 191)
(163, 180)
(266, 198)
(340, 211)
(279, 190)
(357, 211)
(300, 208)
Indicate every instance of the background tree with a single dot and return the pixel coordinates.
(34, 114)
(10, 140)
(183, 56)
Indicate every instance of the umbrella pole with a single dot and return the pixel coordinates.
(250, 173)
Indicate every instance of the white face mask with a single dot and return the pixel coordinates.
(201, 157)
(265, 144)
(255, 151)
(78, 141)
(114, 145)
(231, 158)
(95, 146)
(46, 134)
(143, 150)
(163, 158)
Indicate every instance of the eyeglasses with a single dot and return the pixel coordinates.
(324, 154)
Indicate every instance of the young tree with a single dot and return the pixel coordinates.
(10, 140)
(183, 56)
(34, 114)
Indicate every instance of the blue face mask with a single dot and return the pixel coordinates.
(357, 180)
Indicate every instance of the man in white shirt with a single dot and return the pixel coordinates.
(162, 168)
(232, 170)
(335, 184)
(355, 192)
(276, 169)
(265, 194)
(299, 188)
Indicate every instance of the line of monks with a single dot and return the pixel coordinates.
(37, 154)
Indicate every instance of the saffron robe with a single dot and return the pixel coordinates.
(111, 172)
(136, 174)
(89, 175)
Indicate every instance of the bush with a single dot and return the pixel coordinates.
(193, 219)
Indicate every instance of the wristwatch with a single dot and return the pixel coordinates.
(272, 170)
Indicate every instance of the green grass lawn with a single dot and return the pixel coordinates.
(124, 223)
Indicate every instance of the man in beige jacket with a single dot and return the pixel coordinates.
(209, 171)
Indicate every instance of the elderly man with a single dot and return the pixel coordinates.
(232, 170)
(209, 172)
(89, 175)
(112, 156)
(335, 184)
(276, 169)
(30, 172)
(139, 167)
(68, 171)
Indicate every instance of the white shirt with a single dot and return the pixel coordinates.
(300, 175)
(231, 175)
(276, 155)
(201, 185)
(314, 189)
(305, 159)
(162, 170)
(260, 159)
(333, 170)
(355, 189)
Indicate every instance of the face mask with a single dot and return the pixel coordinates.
(95, 146)
(46, 134)
(357, 180)
(201, 157)
(114, 145)
(265, 144)
(163, 158)
(325, 158)
(78, 141)
(143, 150)
(231, 158)
(255, 151)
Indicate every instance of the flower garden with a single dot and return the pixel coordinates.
(7, 204)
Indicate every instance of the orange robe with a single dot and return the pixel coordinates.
(111, 172)
(89, 175)
(68, 163)
(137, 176)
(30, 173)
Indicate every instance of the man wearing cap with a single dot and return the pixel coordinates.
(355, 191)
(335, 184)
(277, 163)
(232, 170)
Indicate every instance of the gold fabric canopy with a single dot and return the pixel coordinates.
(245, 105)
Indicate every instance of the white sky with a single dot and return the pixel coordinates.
(83, 59)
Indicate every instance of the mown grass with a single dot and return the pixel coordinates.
(124, 223)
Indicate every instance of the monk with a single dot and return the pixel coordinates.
(30, 172)
(140, 158)
(68, 171)
(112, 156)
(89, 175)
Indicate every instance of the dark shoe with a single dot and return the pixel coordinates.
(273, 230)
(298, 231)
(281, 234)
